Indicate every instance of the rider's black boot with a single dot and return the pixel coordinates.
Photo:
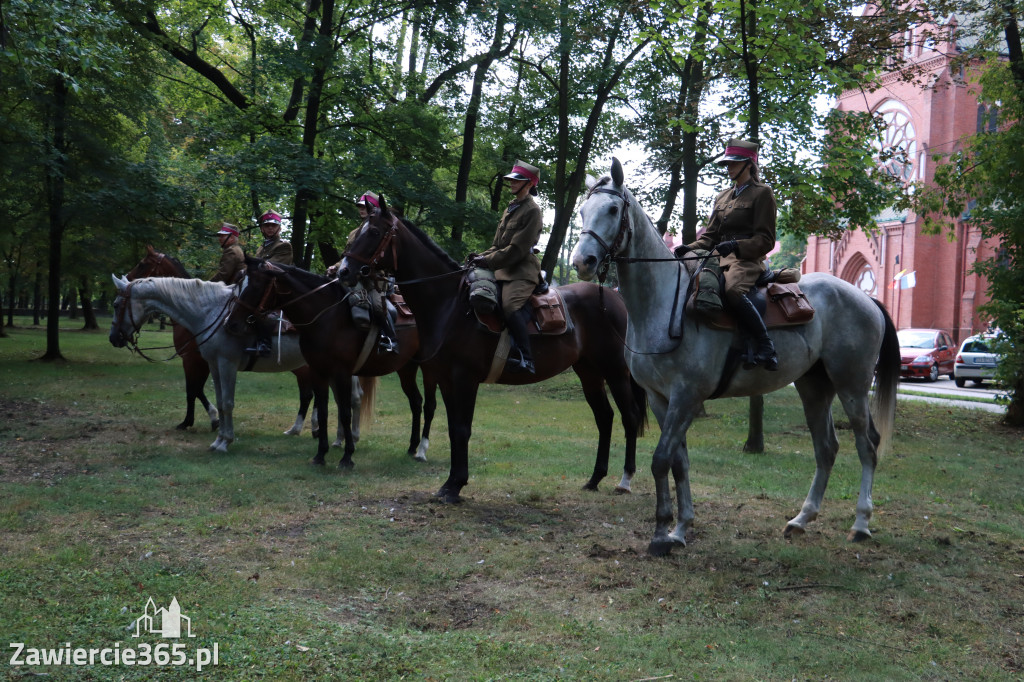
(262, 347)
(388, 342)
(751, 321)
(521, 338)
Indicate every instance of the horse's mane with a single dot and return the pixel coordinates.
(197, 290)
(431, 245)
(307, 278)
(182, 272)
(600, 183)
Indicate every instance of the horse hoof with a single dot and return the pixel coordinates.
(338, 443)
(292, 432)
(621, 490)
(448, 497)
(182, 426)
(858, 536)
(346, 464)
(792, 531)
(318, 461)
(661, 548)
(590, 485)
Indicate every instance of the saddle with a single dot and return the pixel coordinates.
(776, 295)
(548, 314)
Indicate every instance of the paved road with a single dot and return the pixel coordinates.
(912, 389)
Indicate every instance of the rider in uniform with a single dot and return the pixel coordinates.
(232, 259)
(742, 230)
(367, 290)
(275, 250)
(512, 259)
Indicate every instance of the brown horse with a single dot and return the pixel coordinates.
(459, 354)
(197, 371)
(332, 345)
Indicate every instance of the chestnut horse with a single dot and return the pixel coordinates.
(197, 371)
(332, 345)
(459, 354)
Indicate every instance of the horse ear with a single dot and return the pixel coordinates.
(591, 181)
(618, 177)
(383, 205)
(150, 249)
(120, 284)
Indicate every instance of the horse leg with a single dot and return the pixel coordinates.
(429, 407)
(407, 377)
(357, 414)
(631, 400)
(816, 393)
(224, 383)
(460, 402)
(671, 454)
(342, 387)
(755, 425)
(868, 439)
(593, 391)
(305, 396)
(320, 387)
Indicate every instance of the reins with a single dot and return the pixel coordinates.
(132, 341)
(260, 309)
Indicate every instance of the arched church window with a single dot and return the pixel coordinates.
(866, 279)
(897, 150)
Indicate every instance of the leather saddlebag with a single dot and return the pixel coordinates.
(791, 301)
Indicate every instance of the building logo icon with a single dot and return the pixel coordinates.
(166, 622)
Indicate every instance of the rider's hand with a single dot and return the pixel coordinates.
(478, 262)
(725, 248)
(332, 271)
(681, 250)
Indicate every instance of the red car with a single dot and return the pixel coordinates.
(926, 353)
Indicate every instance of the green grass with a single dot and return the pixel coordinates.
(299, 573)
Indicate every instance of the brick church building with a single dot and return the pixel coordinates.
(924, 280)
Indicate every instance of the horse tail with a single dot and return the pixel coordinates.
(887, 379)
(640, 404)
(368, 403)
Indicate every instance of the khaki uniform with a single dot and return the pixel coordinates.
(511, 254)
(749, 219)
(232, 265)
(278, 251)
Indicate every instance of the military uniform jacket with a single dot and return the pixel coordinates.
(232, 262)
(277, 251)
(511, 254)
(748, 218)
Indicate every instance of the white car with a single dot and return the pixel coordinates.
(975, 360)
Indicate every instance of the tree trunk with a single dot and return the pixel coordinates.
(37, 295)
(310, 128)
(88, 314)
(54, 181)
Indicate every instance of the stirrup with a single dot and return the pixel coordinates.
(262, 349)
(387, 345)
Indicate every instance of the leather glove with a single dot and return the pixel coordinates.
(681, 250)
(725, 248)
(478, 262)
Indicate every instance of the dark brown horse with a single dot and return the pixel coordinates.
(197, 371)
(459, 354)
(332, 345)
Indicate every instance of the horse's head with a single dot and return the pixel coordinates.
(156, 264)
(258, 297)
(128, 314)
(372, 249)
(605, 220)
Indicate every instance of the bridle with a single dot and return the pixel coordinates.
(371, 265)
(622, 236)
(132, 341)
(261, 310)
(372, 268)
